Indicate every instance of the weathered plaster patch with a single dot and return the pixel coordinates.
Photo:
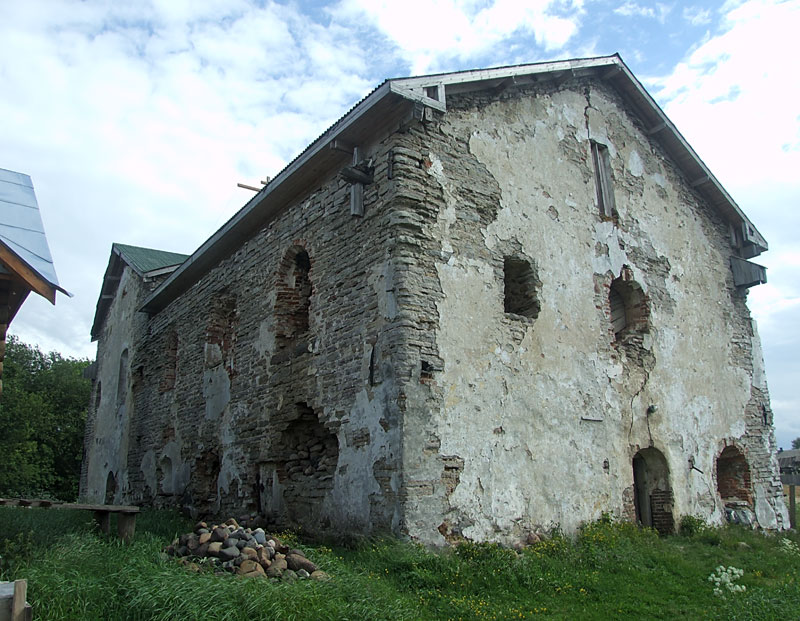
(355, 485)
(635, 164)
(216, 391)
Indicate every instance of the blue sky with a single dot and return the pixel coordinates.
(136, 120)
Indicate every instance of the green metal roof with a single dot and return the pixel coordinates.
(146, 262)
(148, 259)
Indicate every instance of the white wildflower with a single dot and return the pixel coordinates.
(789, 547)
(724, 579)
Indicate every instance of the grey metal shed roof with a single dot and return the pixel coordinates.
(21, 228)
(789, 462)
(390, 104)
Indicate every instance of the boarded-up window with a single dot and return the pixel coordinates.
(603, 181)
(520, 288)
(618, 321)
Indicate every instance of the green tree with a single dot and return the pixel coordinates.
(796, 443)
(42, 418)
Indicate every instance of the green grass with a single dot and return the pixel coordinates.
(609, 571)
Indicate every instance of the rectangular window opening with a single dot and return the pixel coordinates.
(603, 181)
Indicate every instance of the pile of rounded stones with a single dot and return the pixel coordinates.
(244, 551)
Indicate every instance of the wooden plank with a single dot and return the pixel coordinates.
(126, 526)
(30, 502)
(18, 601)
(108, 508)
(103, 519)
(618, 319)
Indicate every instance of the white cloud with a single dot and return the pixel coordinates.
(735, 99)
(749, 59)
(431, 32)
(631, 9)
(136, 120)
(696, 16)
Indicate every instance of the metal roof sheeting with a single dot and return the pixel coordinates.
(145, 260)
(21, 228)
(390, 103)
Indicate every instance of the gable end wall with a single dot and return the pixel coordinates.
(526, 424)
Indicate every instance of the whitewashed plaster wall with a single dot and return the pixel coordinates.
(547, 425)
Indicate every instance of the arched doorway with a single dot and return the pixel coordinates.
(652, 493)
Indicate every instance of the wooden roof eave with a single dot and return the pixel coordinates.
(29, 276)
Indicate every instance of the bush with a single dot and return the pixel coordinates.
(691, 525)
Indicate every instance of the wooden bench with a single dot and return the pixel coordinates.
(126, 520)
(13, 606)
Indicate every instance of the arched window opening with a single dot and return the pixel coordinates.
(733, 478)
(167, 482)
(628, 306)
(293, 301)
(111, 488)
(220, 333)
(652, 492)
(520, 288)
(122, 380)
(170, 368)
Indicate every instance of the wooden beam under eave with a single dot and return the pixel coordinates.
(27, 275)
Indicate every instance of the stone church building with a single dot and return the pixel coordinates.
(481, 304)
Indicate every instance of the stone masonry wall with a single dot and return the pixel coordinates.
(270, 385)
(482, 355)
(515, 424)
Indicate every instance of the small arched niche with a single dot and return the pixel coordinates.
(122, 378)
(111, 488)
(734, 484)
(293, 300)
(628, 306)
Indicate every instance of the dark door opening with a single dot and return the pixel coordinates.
(652, 496)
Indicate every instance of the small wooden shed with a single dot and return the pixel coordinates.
(25, 261)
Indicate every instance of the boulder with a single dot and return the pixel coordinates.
(228, 554)
(219, 534)
(250, 569)
(296, 562)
